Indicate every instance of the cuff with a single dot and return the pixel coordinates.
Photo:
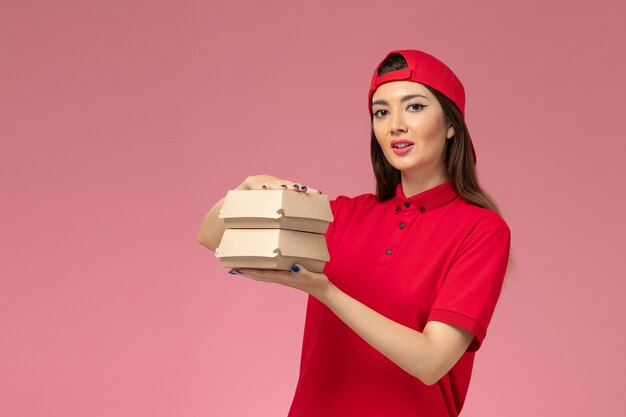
(463, 321)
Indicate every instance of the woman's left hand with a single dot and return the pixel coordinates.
(313, 283)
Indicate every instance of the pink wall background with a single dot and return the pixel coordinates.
(122, 123)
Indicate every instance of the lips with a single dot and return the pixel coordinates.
(398, 141)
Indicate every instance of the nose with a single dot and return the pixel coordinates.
(396, 123)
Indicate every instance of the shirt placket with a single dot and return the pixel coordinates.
(404, 215)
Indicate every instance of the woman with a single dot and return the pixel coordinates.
(395, 319)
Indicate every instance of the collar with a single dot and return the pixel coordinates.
(426, 200)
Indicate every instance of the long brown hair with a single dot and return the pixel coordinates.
(458, 158)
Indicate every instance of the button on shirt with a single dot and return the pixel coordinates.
(431, 256)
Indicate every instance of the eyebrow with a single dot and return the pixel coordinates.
(402, 100)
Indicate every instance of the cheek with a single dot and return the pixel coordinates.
(434, 129)
(430, 129)
(378, 131)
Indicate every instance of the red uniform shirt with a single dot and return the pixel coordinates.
(432, 256)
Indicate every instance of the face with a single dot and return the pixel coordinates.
(407, 111)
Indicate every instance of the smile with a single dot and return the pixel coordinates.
(402, 145)
(404, 148)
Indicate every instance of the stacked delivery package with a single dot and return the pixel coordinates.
(273, 229)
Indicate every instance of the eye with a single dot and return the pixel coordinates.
(376, 114)
(416, 107)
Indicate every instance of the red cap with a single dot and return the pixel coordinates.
(425, 69)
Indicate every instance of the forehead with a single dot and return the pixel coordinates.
(399, 89)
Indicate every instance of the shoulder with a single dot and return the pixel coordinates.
(478, 218)
(340, 202)
(477, 228)
(346, 210)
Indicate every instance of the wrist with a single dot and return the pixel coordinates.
(326, 294)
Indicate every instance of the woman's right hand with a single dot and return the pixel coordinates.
(269, 182)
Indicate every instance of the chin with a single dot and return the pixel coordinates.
(406, 164)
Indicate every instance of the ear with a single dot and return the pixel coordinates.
(450, 132)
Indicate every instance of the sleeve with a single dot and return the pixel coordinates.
(331, 226)
(335, 208)
(472, 285)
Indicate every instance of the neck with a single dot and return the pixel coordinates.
(417, 182)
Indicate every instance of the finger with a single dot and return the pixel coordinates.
(304, 188)
(259, 186)
(289, 185)
(298, 269)
(248, 273)
(254, 271)
(276, 185)
(284, 185)
(267, 275)
(296, 186)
